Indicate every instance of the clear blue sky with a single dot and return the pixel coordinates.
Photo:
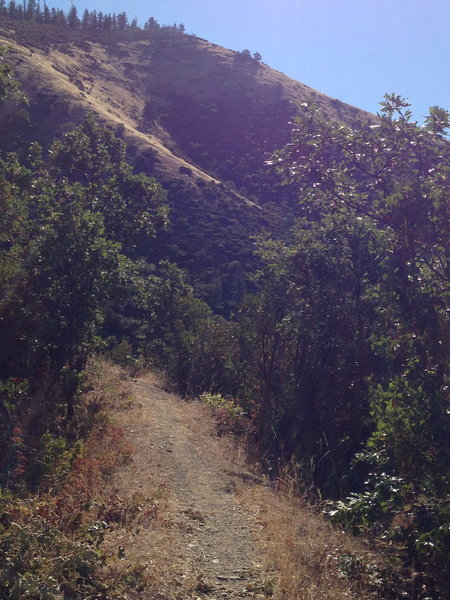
(354, 50)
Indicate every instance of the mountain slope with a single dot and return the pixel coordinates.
(201, 118)
(181, 79)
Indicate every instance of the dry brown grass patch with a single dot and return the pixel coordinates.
(145, 550)
(309, 559)
(108, 386)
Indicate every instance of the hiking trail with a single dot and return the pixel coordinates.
(216, 542)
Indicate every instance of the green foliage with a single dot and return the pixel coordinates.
(62, 255)
(51, 536)
(9, 88)
(53, 461)
(11, 391)
(230, 416)
(174, 322)
(217, 400)
(68, 220)
(210, 224)
(39, 562)
(30, 11)
(341, 358)
(51, 544)
(208, 238)
(389, 178)
(360, 511)
(131, 205)
(305, 340)
(122, 354)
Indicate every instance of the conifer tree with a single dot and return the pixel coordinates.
(85, 19)
(93, 21)
(72, 18)
(12, 9)
(151, 24)
(46, 15)
(30, 10)
(122, 21)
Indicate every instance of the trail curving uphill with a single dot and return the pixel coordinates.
(214, 544)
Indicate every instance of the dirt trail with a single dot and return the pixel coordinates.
(216, 539)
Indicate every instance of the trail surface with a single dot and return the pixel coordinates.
(216, 542)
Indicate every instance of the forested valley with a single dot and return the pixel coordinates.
(328, 328)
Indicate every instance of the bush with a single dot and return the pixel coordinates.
(230, 416)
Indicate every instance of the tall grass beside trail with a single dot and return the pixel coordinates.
(309, 558)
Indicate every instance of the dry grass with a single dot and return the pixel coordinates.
(139, 539)
(309, 558)
(165, 547)
(145, 550)
(107, 386)
(146, 555)
(306, 557)
(53, 541)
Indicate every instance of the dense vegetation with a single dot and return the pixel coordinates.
(339, 357)
(354, 346)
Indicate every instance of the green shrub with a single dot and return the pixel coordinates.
(229, 415)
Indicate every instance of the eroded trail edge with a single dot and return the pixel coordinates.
(213, 544)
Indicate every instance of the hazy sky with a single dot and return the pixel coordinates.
(354, 50)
